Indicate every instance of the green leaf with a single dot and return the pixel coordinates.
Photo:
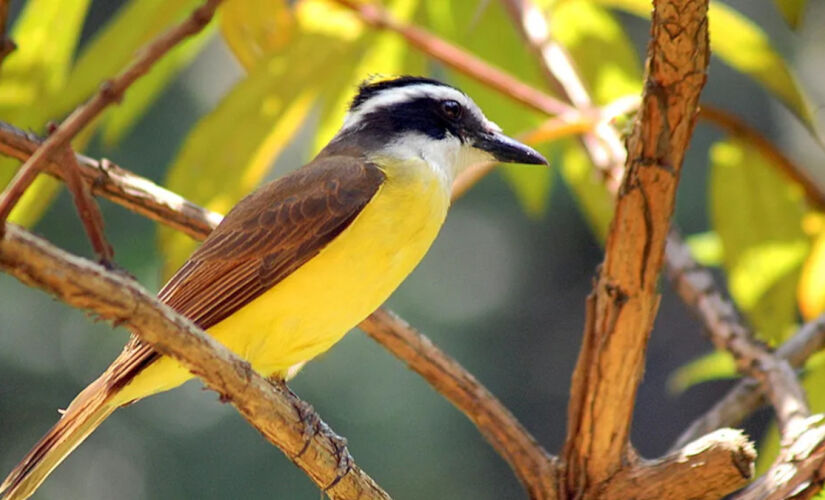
(706, 248)
(604, 56)
(758, 216)
(119, 119)
(745, 47)
(505, 50)
(256, 29)
(595, 201)
(115, 45)
(713, 366)
(231, 150)
(610, 69)
(383, 53)
(792, 11)
(46, 33)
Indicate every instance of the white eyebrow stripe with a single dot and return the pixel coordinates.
(392, 96)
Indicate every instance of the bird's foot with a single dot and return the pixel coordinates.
(345, 460)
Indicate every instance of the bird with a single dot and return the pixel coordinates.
(303, 259)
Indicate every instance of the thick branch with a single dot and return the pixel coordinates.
(709, 468)
(280, 416)
(110, 92)
(534, 467)
(623, 305)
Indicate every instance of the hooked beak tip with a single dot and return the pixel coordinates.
(506, 149)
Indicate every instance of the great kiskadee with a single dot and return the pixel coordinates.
(303, 259)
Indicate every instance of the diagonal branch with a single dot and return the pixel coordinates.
(696, 286)
(534, 467)
(623, 305)
(746, 397)
(110, 92)
(281, 417)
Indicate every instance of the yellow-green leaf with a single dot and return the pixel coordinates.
(604, 56)
(758, 216)
(382, 53)
(594, 200)
(256, 29)
(811, 290)
(744, 46)
(792, 11)
(114, 45)
(706, 248)
(119, 119)
(469, 23)
(46, 34)
(232, 149)
(713, 366)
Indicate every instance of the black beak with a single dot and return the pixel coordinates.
(506, 149)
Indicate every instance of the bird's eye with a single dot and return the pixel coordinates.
(451, 109)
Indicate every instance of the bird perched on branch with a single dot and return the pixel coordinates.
(303, 259)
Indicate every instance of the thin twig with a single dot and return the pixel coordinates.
(623, 305)
(86, 206)
(696, 286)
(732, 124)
(281, 417)
(746, 397)
(110, 92)
(531, 463)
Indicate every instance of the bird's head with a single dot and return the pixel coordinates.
(414, 117)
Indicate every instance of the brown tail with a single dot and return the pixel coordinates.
(88, 410)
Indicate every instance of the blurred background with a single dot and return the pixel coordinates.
(502, 291)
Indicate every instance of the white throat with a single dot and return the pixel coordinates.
(447, 157)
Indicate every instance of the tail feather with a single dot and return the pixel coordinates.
(85, 413)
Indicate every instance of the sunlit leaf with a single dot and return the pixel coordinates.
(758, 216)
(713, 366)
(792, 11)
(744, 46)
(706, 248)
(610, 69)
(469, 23)
(46, 34)
(595, 201)
(232, 149)
(604, 56)
(256, 29)
(383, 54)
(119, 119)
(811, 290)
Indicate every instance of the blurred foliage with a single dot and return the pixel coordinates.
(302, 60)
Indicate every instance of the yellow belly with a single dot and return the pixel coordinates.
(312, 308)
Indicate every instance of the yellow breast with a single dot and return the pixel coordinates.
(312, 308)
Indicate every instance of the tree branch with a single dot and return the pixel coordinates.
(623, 305)
(695, 285)
(534, 467)
(280, 416)
(110, 92)
(745, 397)
(709, 468)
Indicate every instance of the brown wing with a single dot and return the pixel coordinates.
(268, 235)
